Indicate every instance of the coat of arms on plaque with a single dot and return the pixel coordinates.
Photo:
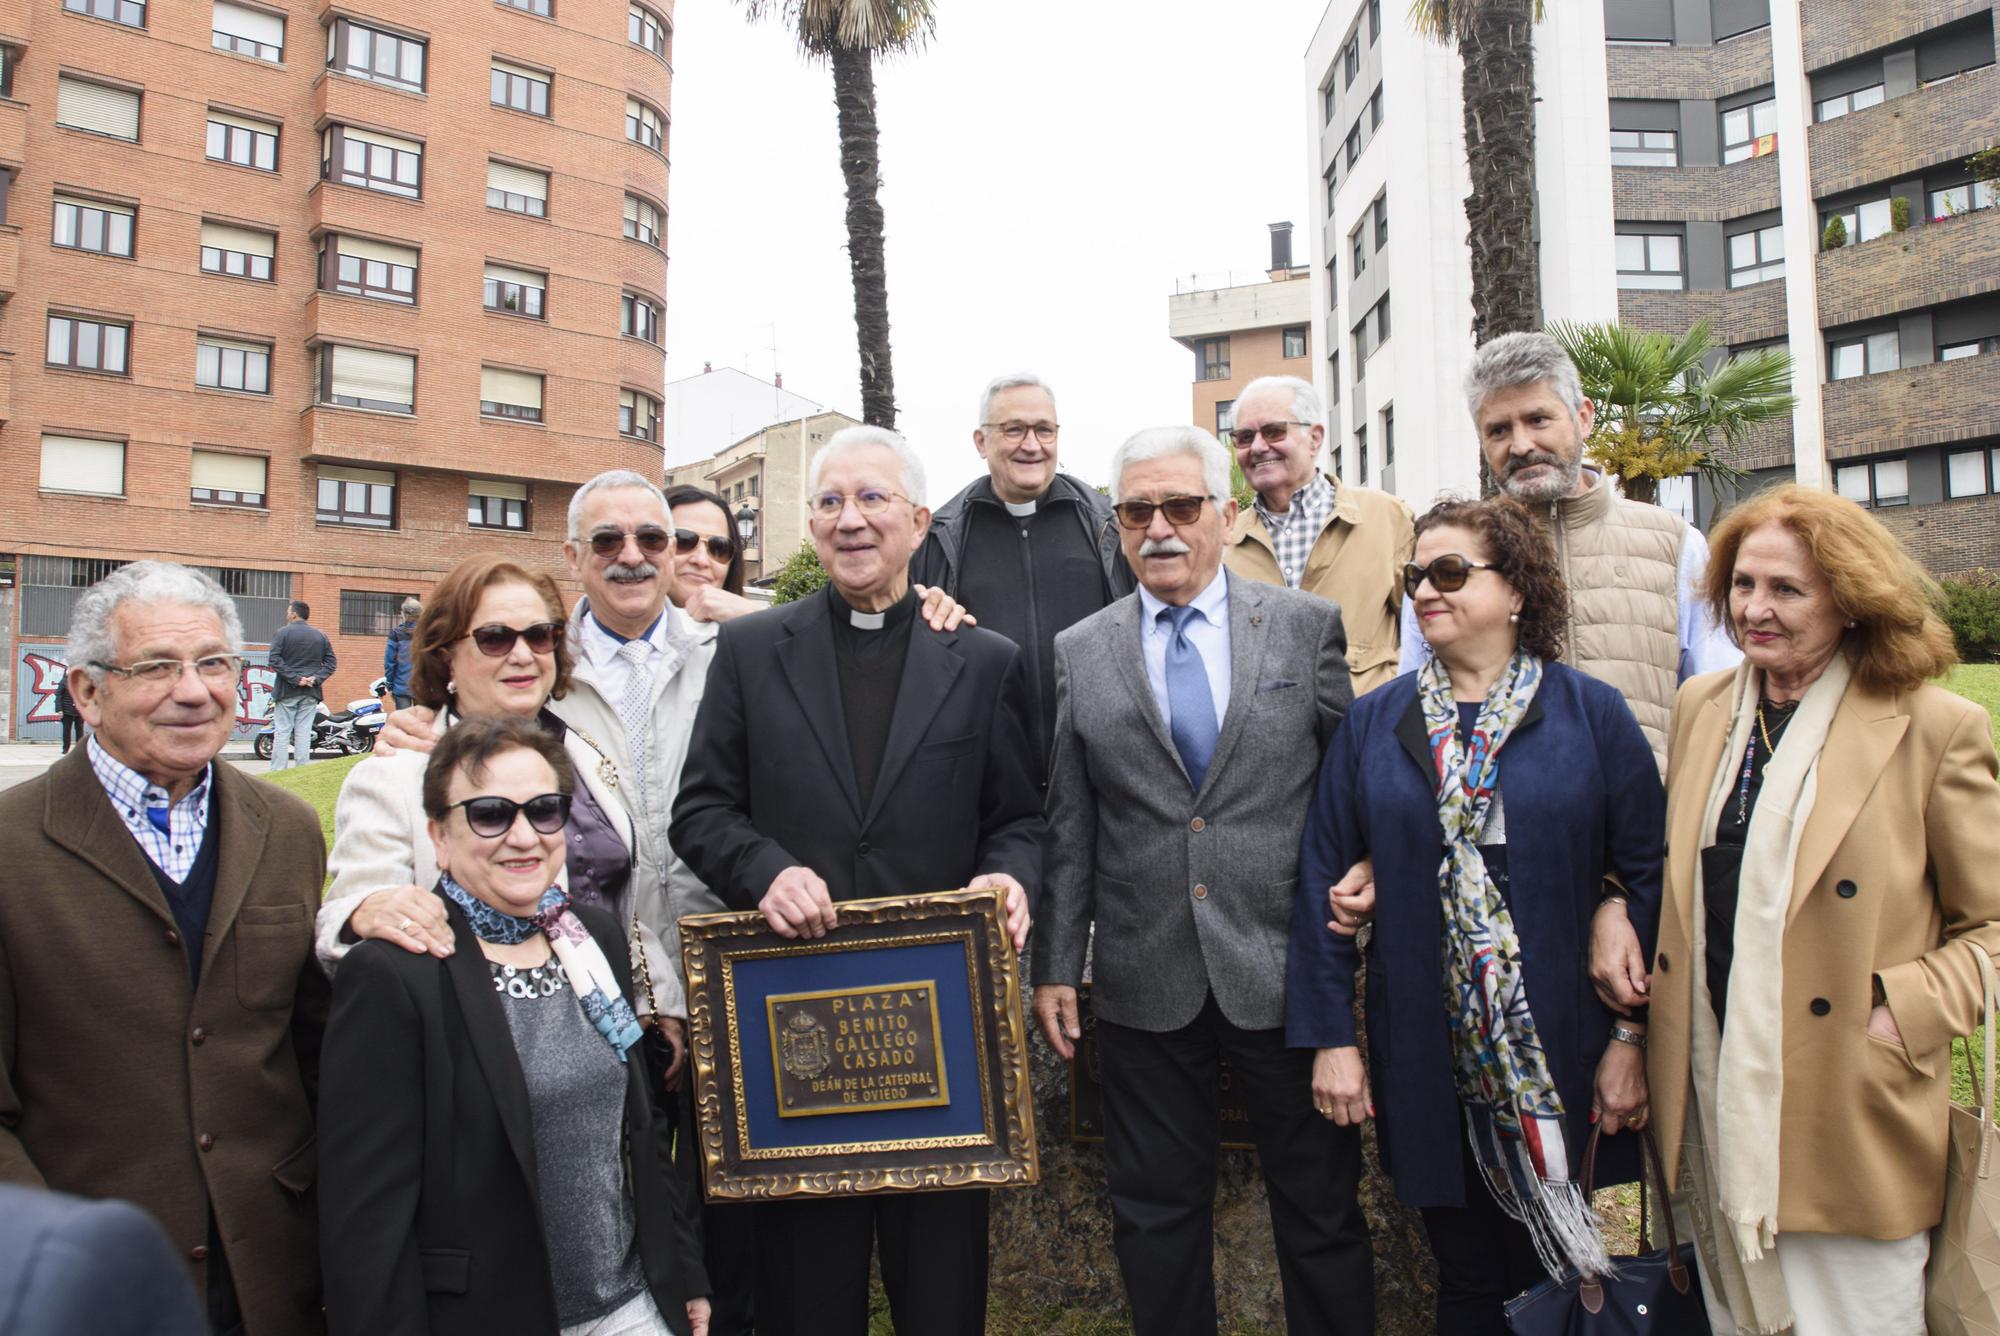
(806, 1052)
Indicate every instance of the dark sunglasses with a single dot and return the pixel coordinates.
(1447, 573)
(497, 641)
(1180, 510)
(610, 542)
(719, 546)
(1272, 432)
(494, 817)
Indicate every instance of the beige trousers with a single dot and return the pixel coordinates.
(1843, 1286)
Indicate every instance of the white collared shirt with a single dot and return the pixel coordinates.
(174, 849)
(612, 671)
(1207, 630)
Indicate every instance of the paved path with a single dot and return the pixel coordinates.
(22, 761)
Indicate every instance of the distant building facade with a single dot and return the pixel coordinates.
(705, 414)
(763, 477)
(1240, 331)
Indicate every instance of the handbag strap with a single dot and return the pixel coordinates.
(1984, 1088)
(1591, 1288)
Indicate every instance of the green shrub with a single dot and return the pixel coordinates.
(1835, 235)
(799, 577)
(1899, 214)
(1972, 611)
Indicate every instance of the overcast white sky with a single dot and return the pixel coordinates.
(1050, 168)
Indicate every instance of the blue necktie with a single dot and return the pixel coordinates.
(160, 814)
(1190, 702)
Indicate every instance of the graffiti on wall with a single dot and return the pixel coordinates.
(39, 670)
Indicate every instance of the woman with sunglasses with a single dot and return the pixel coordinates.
(1503, 796)
(491, 641)
(707, 555)
(489, 1159)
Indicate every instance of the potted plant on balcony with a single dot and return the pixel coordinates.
(1899, 214)
(1835, 235)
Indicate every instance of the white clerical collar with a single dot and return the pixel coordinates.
(1020, 510)
(866, 621)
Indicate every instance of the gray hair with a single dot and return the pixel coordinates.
(1156, 442)
(1015, 380)
(1305, 399)
(848, 437)
(411, 607)
(91, 639)
(1521, 359)
(604, 481)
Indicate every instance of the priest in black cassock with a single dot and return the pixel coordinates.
(844, 750)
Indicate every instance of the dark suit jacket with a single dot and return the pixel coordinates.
(769, 782)
(431, 1201)
(1582, 800)
(119, 1077)
(68, 1265)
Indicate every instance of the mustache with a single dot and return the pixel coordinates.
(1164, 547)
(1531, 461)
(621, 573)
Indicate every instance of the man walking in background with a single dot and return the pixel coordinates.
(301, 659)
(396, 657)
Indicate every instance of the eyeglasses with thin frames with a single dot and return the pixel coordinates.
(490, 816)
(869, 501)
(497, 642)
(1272, 432)
(1017, 432)
(1180, 510)
(1447, 573)
(610, 542)
(210, 668)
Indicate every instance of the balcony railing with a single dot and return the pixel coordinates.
(1930, 263)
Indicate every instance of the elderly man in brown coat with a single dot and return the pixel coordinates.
(160, 1009)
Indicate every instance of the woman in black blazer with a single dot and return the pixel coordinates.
(490, 1159)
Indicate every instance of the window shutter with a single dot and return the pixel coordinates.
(230, 473)
(520, 71)
(385, 141)
(224, 237)
(78, 202)
(506, 491)
(83, 105)
(74, 464)
(242, 122)
(517, 180)
(382, 251)
(340, 473)
(211, 341)
(363, 373)
(510, 387)
(255, 24)
(500, 273)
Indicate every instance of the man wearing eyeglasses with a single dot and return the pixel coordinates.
(1307, 531)
(1191, 719)
(301, 660)
(1029, 549)
(161, 1008)
(845, 750)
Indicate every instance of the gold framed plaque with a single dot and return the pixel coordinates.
(890, 1055)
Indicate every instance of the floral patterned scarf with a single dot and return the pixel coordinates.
(1514, 1114)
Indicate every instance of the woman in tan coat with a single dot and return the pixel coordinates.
(1833, 833)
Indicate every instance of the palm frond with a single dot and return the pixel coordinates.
(1443, 20)
(879, 27)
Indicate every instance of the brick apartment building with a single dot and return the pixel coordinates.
(1692, 154)
(320, 297)
(1240, 331)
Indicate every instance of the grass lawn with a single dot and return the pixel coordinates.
(319, 784)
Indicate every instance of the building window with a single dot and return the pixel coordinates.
(516, 291)
(89, 345)
(1750, 132)
(1864, 222)
(638, 415)
(1353, 145)
(1970, 472)
(98, 108)
(642, 124)
(366, 613)
(642, 220)
(641, 319)
(510, 394)
(1954, 200)
(1211, 359)
(1294, 339)
(1885, 482)
(1388, 439)
(77, 464)
(1755, 257)
(645, 28)
(1375, 110)
(1357, 251)
(1332, 187)
(1645, 148)
(9, 57)
(373, 54)
(1649, 261)
(1329, 101)
(1865, 356)
(221, 479)
(1374, 21)
(1382, 321)
(517, 189)
(224, 364)
(545, 8)
(89, 225)
(238, 252)
(1954, 352)
(520, 88)
(372, 161)
(1225, 419)
(247, 31)
(365, 378)
(1833, 108)
(131, 13)
(242, 141)
(1333, 377)
(363, 268)
(1361, 454)
(494, 504)
(366, 497)
(1381, 221)
(1350, 60)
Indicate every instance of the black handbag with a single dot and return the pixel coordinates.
(1654, 1294)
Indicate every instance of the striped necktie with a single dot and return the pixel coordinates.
(635, 711)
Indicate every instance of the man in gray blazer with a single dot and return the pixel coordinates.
(1190, 721)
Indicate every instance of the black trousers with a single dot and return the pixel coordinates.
(728, 1235)
(72, 733)
(812, 1263)
(1484, 1257)
(1161, 1133)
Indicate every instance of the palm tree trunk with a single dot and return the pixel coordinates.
(860, 163)
(1496, 44)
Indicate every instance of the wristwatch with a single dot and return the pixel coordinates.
(1626, 1035)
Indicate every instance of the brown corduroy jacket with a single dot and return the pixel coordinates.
(119, 1077)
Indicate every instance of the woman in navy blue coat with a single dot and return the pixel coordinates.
(1502, 796)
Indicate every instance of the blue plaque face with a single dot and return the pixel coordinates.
(890, 1054)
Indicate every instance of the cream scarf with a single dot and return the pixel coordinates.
(1738, 1085)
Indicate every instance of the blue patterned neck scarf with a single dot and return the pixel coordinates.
(498, 926)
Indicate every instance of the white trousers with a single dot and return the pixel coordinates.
(1843, 1286)
(637, 1316)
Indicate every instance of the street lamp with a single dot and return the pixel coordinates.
(746, 524)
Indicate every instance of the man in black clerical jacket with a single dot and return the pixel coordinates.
(1028, 550)
(845, 750)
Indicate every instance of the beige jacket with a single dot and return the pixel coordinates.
(1356, 562)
